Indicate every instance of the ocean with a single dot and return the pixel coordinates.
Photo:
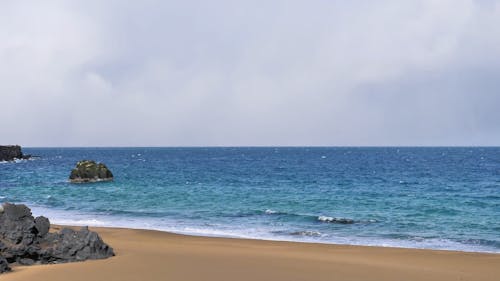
(431, 198)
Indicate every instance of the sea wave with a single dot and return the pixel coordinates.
(319, 218)
(182, 226)
(335, 220)
(274, 212)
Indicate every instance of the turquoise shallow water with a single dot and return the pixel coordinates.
(438, 198)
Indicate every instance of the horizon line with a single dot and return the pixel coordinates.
(277, 146)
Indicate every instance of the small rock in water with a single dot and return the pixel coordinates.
(90, 171)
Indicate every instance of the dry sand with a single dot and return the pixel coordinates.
(152, 255)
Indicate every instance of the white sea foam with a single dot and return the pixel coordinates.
(335, 220)
(307, 233)
(81, 222)
(325, 218)
(16, 160)
(242, 231)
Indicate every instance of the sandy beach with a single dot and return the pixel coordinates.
(154, 255)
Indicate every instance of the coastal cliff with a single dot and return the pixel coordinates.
(11, 152)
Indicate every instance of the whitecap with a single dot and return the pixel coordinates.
(335, 220)
(325, 218)
(270, 212)
(274, 212)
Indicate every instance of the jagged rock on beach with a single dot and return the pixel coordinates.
(71, 245)
(27, 240)
(4, 265)
(90, 171)
(17, 225)
(42, 225)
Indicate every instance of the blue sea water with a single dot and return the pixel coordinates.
(436, 198)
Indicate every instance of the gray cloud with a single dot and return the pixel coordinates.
(104, 73)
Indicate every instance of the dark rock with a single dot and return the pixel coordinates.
(13, 152)
(27, 240)
(90, 171)
(344, 221)
(26, 261)
(17, 225)
(4, 265)
(70, 245)
(17, 232)
(42, 225)
(10, 152)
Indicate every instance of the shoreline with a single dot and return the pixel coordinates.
(159, 255)
(57, 226)
(229, 236)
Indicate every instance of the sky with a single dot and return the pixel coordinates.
(250, 73)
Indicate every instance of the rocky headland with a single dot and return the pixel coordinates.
(26, 240)
(90, 171)
(11, 153)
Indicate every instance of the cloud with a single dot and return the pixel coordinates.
(166, 73)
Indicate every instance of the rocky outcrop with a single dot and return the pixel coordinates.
(12, 152)
(4, 265)
(27, 240)
(90, 171)
(74, 245)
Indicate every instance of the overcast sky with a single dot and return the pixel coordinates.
(217, 73)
